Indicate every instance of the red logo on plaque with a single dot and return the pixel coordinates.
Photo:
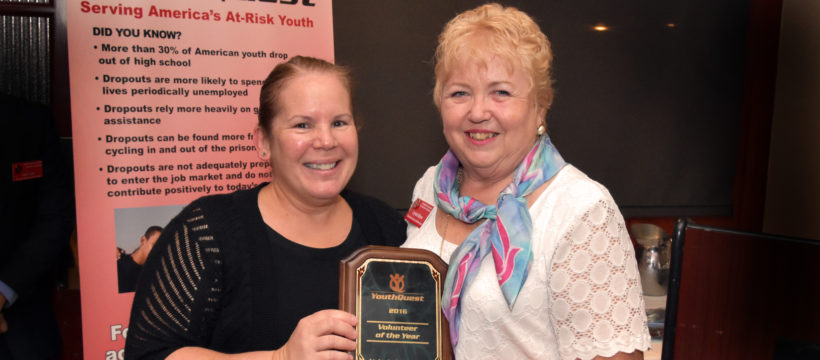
(397, 283)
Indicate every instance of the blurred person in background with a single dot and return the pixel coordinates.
(36, 211)
(129, 266)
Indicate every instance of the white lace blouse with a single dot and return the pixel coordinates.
(582, 297)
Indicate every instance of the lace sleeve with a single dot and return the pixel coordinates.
(178, 290)
(597, 305)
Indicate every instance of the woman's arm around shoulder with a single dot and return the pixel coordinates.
(381, 224)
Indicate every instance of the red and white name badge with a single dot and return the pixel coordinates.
(27, 170)
(418, 212)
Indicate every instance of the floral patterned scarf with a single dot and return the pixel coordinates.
(506, 233)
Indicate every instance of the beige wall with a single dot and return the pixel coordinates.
(793, 187)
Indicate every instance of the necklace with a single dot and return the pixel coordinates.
(460, 176)
(459, 180)
(444, 235)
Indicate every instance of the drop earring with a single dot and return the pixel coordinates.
(541, 130)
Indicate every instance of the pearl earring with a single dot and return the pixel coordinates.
(541, 130)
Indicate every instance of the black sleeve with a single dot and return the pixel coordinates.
(178, 294)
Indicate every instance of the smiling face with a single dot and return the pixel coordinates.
(489, 116)
(313, 143)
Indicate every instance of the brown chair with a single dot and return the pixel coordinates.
(741, 295)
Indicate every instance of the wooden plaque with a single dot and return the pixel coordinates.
(396, 295)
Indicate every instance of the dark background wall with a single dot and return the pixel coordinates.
(793, 184)
(670, 109)
(651, 107)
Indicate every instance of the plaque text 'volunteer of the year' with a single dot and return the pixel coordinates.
(396, 295)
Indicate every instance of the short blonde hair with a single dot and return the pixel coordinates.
(493, 30)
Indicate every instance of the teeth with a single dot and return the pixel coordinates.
(481, 136)
(321, 166)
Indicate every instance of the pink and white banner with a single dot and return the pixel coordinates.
(164, 96)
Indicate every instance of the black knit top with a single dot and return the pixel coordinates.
(221, 279)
